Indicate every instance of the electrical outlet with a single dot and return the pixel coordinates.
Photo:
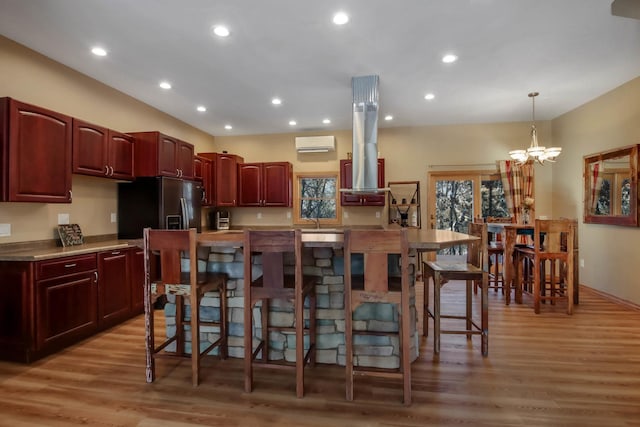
(5, 230)
(288, 215)
(63, 218)
(582, 262)
(114, 217)
(259, 215)
(345, 214)
(377, 214)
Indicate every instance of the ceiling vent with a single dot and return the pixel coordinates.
(315, 144)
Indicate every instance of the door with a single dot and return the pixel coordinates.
(456, 198)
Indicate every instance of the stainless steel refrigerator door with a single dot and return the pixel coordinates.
(192, 195)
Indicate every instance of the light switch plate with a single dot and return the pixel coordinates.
(63, 218)
(114, 217)
(5, 230)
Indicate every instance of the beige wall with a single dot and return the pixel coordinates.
(30, 77)
(610, 253)
(409, 153)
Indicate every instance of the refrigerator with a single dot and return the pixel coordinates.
(158, 202)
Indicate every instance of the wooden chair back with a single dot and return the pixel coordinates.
(376, 246)
(477, 251)
(171, 244)
(558, 235)
(272, 244)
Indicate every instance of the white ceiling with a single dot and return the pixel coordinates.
(571, 51)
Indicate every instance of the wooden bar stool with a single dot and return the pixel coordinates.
(552, 263)
(495, 250)
(166, 277)
(475, 269)
(277, 282)
(376, 286)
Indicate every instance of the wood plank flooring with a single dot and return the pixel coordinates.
(543, 370)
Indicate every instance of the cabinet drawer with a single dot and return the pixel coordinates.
(64, 266)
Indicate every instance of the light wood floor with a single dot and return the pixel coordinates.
(543, 370)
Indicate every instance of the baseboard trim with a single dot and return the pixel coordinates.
(610, 297)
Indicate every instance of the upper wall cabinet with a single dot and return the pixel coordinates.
(102, 152)
(611, 187)
(35, 153)
(226, 177)
(265, 184)
(204, 170)
(355, 199)
(156, 154)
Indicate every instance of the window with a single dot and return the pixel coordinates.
(315, 198)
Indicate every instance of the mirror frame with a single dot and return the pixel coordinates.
(625, 220)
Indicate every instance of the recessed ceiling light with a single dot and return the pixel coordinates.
(99, 51)
(449, 58)
(276, 101)
(340, 18)
(221, 31)
(388, 117)
(429, 96)
(201, 108)
(292, 123)
(165, 85)
(326, 121)
(228, 127)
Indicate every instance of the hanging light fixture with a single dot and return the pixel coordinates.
(535, 151)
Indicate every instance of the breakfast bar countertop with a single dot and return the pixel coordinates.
(419, 239)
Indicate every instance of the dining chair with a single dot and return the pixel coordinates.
(552, 263)
(266, 277)
(163, 258)
(495, 250)
(475, 269)
(374, 284)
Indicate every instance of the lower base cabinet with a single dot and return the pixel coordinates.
(48, 305)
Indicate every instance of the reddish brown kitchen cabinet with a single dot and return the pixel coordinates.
(66, 301)
(137, 280)
(35, 154)
(265, 184)
(225, 171)
(114, 292)
(156, 154)
(204, 170)
(355, 199)
(99, 151)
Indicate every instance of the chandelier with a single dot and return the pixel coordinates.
(535, 151)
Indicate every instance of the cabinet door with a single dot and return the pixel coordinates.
(277, 181)
(120, 155)
(226, 180)
(346, 181)
(114, 288)
(39, 154)
(65, 310)
(250, 184)
(184, 161)
(167, 156)
(137, 280)
(90, 149)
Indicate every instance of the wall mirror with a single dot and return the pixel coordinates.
(611, 187)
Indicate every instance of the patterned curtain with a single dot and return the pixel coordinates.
(596, 185)
(517, 181)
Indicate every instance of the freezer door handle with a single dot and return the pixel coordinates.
(185, 216)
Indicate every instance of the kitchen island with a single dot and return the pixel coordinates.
(323, 257)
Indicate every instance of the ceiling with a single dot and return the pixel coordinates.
(570, 51)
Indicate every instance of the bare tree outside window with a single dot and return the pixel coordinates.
(316, 198)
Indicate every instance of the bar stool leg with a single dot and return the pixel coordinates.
(436, 315)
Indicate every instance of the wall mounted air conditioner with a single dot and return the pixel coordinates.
(315, 144)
